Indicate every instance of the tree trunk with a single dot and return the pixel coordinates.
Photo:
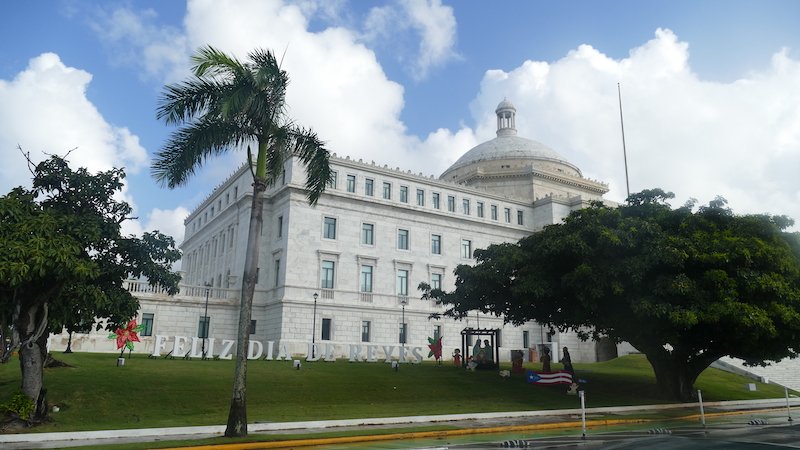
(69, 343)
(31, 359)
(675, 377)
(237, 415)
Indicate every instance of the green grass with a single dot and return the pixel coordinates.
(95, 394)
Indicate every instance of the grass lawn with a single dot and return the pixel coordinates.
(95, 394)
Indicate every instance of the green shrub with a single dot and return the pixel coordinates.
(20, 405)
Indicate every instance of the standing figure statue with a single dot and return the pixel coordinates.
(545, 359)
(566, 360)
(488, 352)
(477, 352)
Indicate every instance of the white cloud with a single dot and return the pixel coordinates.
(169, 221)
(134, 38)
(44, 109)
(697, 138)
(433, 23)
(436, 25)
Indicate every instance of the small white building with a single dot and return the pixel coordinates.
(345, 272)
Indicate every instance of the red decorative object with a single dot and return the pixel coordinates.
(126, 336)
(436, 348)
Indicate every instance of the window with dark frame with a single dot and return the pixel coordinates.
(147, 324)
(326, 329)
(202, 327)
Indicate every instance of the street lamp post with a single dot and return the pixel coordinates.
(314, 329)
(205, 320)
(403, 302)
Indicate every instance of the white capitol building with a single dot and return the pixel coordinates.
(375, 234)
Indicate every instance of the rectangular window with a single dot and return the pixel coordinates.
(494, 212)
(365, 326)
(526, 339)
(420, 197)
(519, 217)
(326, 329)
(366, 279)
(387, 191)
(451, 203)
(351, 183)
(479, 209)
(437, 331)
(507, 214)
(402, 282)
(326, 275)
(147, 324)
(329, 228)
(369, 187)
(435, 200)
(283, 177)
(367, 233)
(466, 248)
(235, 191)
(332, 181)
(436, 244)
(465, 205)
(402, 239)
(403, 332)
(252, 327)
(436, 281)
(280, 226)
(202, 327)
(277, 271)
(404, 194)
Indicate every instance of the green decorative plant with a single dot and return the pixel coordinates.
(20, 406)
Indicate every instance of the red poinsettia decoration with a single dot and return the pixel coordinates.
(436, 348)
(126, 336)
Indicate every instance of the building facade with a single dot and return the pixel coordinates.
(345, 272)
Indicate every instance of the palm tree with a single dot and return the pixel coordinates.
(228, 104)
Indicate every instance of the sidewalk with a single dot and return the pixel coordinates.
(476, 422)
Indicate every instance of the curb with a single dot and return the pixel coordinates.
(219, 430)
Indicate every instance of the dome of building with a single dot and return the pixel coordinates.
(508, 146)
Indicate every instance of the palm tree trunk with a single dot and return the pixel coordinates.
(237, 415)
(69, 343)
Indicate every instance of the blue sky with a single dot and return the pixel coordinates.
(710, 88)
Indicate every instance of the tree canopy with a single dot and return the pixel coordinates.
(65, 260)
(684, 286)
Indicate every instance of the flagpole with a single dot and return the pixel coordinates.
(624, 150)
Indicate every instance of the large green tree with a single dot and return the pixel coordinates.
(226, 105)
(63, 251)
(685, 286)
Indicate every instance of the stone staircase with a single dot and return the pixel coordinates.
(785, 373)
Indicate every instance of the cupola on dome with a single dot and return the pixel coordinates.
(508, 146)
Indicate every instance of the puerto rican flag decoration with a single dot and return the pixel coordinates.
(560, 377)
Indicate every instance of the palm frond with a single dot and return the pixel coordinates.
(311, 150)
(183, 101)
(188, 148)
(209, 61)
